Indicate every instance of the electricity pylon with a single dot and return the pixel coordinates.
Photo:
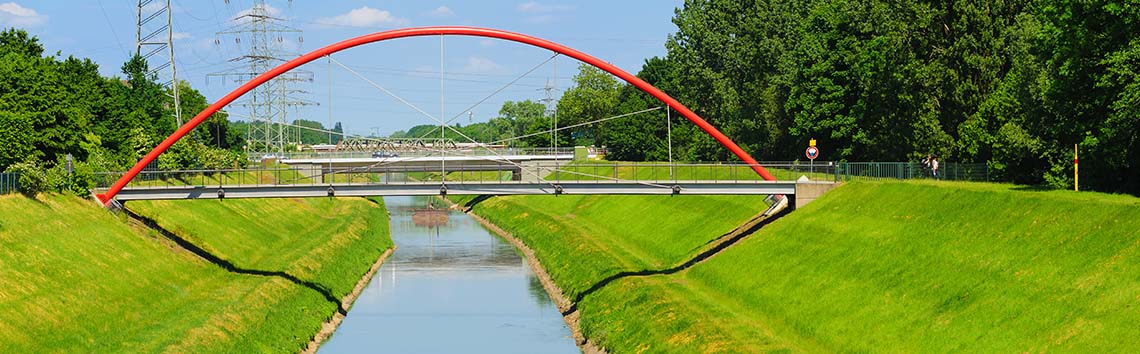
(154, 42)
(268, 104)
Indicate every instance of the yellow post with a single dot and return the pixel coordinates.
(1076, 173)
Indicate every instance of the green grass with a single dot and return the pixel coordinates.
(315, 239)
(913, 267)
(75, 278)
(478, 176)
(583, 239)
(945, 267)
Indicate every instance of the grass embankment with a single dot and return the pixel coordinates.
(922, 267)
(75, 278)
(584, 239)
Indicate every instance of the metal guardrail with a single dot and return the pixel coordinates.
(9, 182)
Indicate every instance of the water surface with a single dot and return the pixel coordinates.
(450, 287)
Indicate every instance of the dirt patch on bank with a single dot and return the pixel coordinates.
(330, 326)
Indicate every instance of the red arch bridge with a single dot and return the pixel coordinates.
(584, 183)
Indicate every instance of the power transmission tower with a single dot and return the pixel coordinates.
(262, 35)
(154, 42)
(552, 107)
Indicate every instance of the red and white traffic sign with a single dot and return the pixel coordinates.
(811, 153)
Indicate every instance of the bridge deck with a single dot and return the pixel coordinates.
(463, 188)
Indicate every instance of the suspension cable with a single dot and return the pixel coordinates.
(381, 88)
(426, 114)
(575, 125)
(496, 92)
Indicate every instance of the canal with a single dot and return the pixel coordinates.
(451, 286)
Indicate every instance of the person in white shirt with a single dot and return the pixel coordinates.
(934, 166)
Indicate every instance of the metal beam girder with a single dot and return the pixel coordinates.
(427, 189)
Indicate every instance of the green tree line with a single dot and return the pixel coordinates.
(54, 109)
(1014, 84)
(519, 124)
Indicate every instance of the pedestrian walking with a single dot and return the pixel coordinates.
(934, 166)
(926, 166)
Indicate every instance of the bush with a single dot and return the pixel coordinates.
(33, 179)
(78, 182)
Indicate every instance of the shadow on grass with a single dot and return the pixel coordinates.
(473, 202)
(741, 234)
(224, 264)
(1033, 188)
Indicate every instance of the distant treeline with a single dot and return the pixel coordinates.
(52, 108)
(1014, 84)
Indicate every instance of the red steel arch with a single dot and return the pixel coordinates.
(431, 31)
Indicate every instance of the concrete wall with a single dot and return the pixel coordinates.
(806, 192)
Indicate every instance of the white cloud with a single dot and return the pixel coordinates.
(442, 11)
(535, 7)
(539, 19)
(481, 65)
(487, 43)
(181, 35)
(365, 17)
(540, 13)
(14, 15)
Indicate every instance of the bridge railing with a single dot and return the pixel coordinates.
(708, 171)
(463, 151)
(549, 171)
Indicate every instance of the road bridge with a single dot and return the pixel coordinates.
(516, 164)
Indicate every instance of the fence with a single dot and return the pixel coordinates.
(848, 171)
(9, 183)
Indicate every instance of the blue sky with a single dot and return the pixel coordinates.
(624, 33)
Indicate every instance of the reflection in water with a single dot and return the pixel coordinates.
(429, 217)
(450, 287)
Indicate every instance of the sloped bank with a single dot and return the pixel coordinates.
(919, 266)
(76, 278)
(332, 245)
(585, 243)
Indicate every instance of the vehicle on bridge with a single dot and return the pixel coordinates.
(384, 154)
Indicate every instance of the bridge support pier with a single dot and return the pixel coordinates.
(807, 191)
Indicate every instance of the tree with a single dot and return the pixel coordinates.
(642, 137)
(216, 131)
(524, 117)
(16, 41)
(144, 95)
(17, 138)
(594, 96)
(735, 60)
